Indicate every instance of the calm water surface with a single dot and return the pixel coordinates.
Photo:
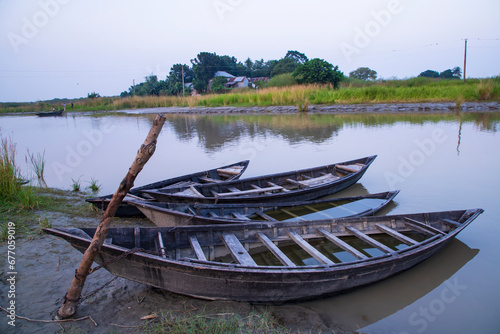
(440, 162)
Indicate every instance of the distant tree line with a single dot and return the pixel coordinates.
(206, 64)
(455, 73)
(297, 67)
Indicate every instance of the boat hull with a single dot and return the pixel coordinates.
(267, 284)
(301, 194)
(127, 210)
(167, 214)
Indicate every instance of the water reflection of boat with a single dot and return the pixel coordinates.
(50, 113)
(223, 173)
(365, 306)
(178, 214)
(229, 262)
(297, 185)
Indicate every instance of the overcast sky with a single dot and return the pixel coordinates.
(69, 48)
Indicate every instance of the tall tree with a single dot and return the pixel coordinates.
(297, 56)
(318, 71)
(429, 74)
(289, 63)
(363, 73)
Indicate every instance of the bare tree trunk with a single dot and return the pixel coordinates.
(145, 152)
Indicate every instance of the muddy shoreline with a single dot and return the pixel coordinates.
(424, 107)
(45, 266)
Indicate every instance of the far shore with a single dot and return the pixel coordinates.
(379, 108)
(424, 107)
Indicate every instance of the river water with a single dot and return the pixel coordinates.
(438, 161)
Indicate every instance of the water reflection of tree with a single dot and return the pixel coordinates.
(215, 131)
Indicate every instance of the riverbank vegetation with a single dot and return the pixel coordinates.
(292, 80)
(281, 92)
(25, 205)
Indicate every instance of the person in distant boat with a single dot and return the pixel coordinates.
(64, 106)
(53, 109)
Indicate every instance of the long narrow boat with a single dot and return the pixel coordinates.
(299, 185)
(273, 262)
(49, 113)
(219, 174)
(179, 214)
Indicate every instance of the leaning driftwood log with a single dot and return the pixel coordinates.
(145, 152)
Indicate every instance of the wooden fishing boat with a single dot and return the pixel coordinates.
(179, 214)
(273, 262)
(219, 174)
(299, 185)
(49, 113)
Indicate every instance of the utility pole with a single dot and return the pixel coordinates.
(182, 80)
(465, 57)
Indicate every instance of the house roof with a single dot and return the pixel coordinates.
(235, 80)
(265, 79)
(223, 74)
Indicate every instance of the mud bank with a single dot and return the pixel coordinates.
(428, 107)
(45, 266)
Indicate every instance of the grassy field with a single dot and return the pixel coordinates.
(351, 92)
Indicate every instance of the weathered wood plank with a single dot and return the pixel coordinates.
(309, 249)
(275, 250)
(369, 240)
(240, 216)
(291, 214)
(195, 244)
(296, 183)
(397, 235)
(271, 184)
(451, 222)
(195, 191)
(248, 192)
(238, 252)
(424, 228)
(233, 189)
(342, 244)
(266, 217)
(351, 168)
(137, 237)
(235, 170)
(207, 179)
(161, 245)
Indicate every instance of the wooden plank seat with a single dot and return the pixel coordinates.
(421, 227)
(351, 168)
(239, 216)
(369, 240)
(342, 244)
(195, 244)
(190, 191)
(451, 223)
(316, 181)
(182, 184)
(247, 192)
(397, 235)
(229, 171)
(207, 179)
(309, 249)
(237, 250)
(275, 250)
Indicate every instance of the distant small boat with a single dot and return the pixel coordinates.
(219, 174)
(49, 113)
(273, 262)
(297, 185)
(179, 214)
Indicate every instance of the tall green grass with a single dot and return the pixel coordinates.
(12, 194)
(282, 91)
